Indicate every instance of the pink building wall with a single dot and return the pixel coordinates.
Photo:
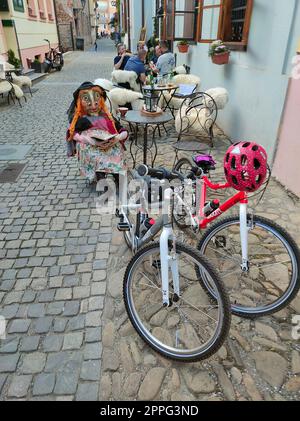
(286, 165)
(30, 53)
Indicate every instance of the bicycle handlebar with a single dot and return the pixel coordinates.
(159, 173)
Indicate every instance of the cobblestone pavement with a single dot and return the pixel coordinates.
(259, 361)
(54, 249)
(61, 272)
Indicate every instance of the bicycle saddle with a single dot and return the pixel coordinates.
(205, 162)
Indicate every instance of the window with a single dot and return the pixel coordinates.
(159, 19)
(205, 20)
(228, 20)
(4, 6)
(179, 19)
(185, 19)
(209, 20)
(31, 8)
(42, 9)
(50, 9)
(237, 16)
(18, 5)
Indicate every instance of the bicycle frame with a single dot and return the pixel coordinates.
(240, 197)
(202, 222)
(167, 260)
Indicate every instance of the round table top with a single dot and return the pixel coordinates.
(138, 118)
(161, 88)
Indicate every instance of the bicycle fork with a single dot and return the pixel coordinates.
(244, 237)
(168, 259)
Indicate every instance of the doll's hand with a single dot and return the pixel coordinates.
(121, 136)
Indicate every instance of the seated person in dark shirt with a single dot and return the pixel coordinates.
(121, 59)
(157, 54)
(137, 65)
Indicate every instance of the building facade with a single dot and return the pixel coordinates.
(136, 15)
(262, 77)
(73, 22)
(106, 12)
(23, 27)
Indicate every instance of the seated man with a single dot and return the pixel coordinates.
(157, 54)
(137, 65)
(166, 62)
(121, 59)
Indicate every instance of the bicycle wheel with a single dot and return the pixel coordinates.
(273, 279)
(184, 166)
(180, 215)
(194, 326)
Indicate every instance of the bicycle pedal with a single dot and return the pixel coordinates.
(123, 226)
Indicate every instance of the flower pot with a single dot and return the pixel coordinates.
(222, 58)
(38, 67)
(183, 48)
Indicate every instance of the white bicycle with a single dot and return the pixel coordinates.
(163, 286)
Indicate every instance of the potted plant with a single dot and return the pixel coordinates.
(38, 66)
(219, 52)
(13, 60)
(183, 46)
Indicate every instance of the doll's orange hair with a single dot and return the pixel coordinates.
(79, 112)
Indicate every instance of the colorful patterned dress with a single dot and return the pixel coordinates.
(91, 159)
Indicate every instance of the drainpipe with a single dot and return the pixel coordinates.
(57, 26)
(17, 39)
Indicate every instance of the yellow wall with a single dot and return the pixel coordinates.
(3, 46)
(31, 32)
(11, 41)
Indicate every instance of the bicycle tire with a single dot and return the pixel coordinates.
(291, 249)
(167, 350)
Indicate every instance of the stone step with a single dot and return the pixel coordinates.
(28, 72)
(37, 77)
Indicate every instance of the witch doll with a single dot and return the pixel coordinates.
(94, 135)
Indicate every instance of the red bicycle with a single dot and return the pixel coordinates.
(258, 260)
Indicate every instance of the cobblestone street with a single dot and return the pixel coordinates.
(61, 271)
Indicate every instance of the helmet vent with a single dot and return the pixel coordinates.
(233, 163)
(244, 160)
(246, 145)
(256, 164)
(245, 176)
(234, 179)
(255, 148)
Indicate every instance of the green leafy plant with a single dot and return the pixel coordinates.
(12, 59)
(152, 42)
(182, 42)
(218, 47)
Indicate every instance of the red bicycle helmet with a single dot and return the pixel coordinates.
(245, 166)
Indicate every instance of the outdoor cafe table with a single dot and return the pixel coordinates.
(171, 88)
(8, 73)
(137, 119)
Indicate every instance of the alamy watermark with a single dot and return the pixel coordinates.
(296, 67)
(296, 328)
(2, 328)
